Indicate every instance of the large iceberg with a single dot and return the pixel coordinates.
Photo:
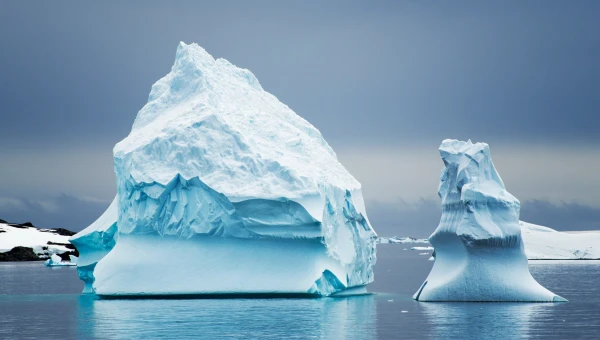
(478, 244)
(222, 189)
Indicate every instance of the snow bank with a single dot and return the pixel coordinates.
(224, 189)
(479, 250)
(31, 237)
(542, 243)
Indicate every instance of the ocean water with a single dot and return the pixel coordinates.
(44, 303)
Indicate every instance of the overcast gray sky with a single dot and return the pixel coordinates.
(384, 81)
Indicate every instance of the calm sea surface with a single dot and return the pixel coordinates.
(44, 303)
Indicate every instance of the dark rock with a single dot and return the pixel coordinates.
(19, 254)
(62, 231)
(65, 256)
(68, 246)
(21, 225)
(3, 221)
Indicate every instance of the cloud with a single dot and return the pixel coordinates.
(548, 172)
(400, 218)
(64, 211)
(561, 216)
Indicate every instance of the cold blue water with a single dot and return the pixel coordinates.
(44, 303)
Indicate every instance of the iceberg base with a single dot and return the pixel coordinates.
(491, 272)
(146, 265)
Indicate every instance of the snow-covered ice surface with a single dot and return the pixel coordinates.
(479, 250)
(56, 261)
(223, 189)
(34, 238)
(542, 243)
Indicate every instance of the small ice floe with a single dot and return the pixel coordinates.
(404, 311)
(56, 261)
(395, 239)
(431, 258)
(391, 300)
(421, 248)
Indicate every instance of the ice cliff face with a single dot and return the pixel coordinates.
(478, 244)
(216, 166)
(94, 242)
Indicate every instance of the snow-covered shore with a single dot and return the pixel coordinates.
(543, 243)
(43, 242)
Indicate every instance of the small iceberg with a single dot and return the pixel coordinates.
(421, 248)
(479, 252)
(56, 261)
(395, 239)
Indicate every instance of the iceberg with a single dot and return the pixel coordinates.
(56, 261)
(222, 189)
(479, 250)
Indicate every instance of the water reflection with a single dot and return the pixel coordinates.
(503, 320)
(327, 318)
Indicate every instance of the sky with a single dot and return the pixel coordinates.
(384, 81)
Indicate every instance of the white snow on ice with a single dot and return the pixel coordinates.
(542, 243)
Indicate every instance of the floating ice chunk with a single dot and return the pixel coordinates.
(421, 248)
(395, 239)
(327, 284)
(56, 261)
(478, 245)
(245, 194)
